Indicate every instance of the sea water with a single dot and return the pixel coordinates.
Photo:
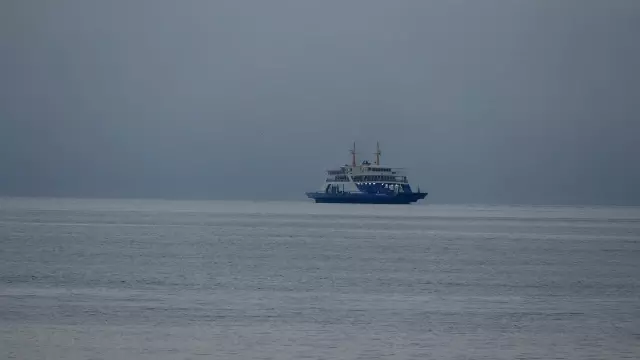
(127, 279)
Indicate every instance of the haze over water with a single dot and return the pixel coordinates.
(530, 102)
(124, 279)
(492, 101)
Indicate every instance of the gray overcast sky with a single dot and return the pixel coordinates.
(485, 101)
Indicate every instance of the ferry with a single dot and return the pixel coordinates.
(366, 184)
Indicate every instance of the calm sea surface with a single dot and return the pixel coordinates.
(121, 279)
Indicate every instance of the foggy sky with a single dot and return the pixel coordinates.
(484, 101)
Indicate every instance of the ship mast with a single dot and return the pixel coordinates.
(378, 153)
(353, 155)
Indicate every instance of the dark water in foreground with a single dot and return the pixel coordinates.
(104, 279)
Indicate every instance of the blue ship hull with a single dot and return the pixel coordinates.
(363, 198)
